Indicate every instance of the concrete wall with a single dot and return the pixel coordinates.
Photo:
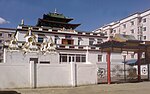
(53, 75)
(14, 75)
(86, 74)
(20, 57)
(31, 75)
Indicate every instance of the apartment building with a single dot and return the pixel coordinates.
(136, 24)
(5, 35)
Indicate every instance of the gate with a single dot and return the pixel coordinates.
(121, 73)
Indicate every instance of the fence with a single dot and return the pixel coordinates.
(121, 73)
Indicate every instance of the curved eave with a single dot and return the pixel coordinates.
(57, 18)
(73, 26)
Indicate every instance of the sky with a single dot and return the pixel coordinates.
(91, 14)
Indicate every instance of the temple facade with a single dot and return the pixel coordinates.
(53, 33)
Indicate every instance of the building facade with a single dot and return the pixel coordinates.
(72, 45)
(136, 24)
(5, 35)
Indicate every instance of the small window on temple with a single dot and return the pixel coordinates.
(132, 55)
(91, 41)
(40, 39)
(79, 40)
(99, 58)
(67, 36)
(56, 39)
(99, 41)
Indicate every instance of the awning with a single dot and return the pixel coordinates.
(135, 62)
(130, 62)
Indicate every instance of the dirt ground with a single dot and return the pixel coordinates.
(123, 88)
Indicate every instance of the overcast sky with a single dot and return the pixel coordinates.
(90, 13)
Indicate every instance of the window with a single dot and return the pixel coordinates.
(9, 35)
(91, 41)
(111, 31)
(40, 39)
(132, 55)
(144, 20)
(145, 37)
(1, 34)
(124, 25)
(114, 31)
(83, 58)
(77, 58)
(99, 58)
(72, 58)
(132, 31)
(44, 62)
(124, 33)
(132, 22)
(80, 58)
(56, 39)
(68, 41)
(99, 41)
(68, 37)
(144, 28)
(63, 57)
(1, 48)
(79, 40)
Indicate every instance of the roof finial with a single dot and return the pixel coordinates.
(22, 22)
(55, 10)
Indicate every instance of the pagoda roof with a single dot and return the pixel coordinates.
(42, 22)
(56, 18)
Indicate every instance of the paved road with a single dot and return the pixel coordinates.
(126, 88)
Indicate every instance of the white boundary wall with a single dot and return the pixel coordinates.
(31, 75)
(14, 75)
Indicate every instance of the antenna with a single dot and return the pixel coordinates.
(22, 22)
(55, 10)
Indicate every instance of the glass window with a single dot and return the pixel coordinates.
(1, 34)
(40, 39)
(144, 28)
(9, 35)
(144, 20)
(99, 41)
(83, 58)
(132, 31)
(56, 39)
(67, 36)
(132, 22)
(79, 40)
(114, 31)
(63, 57)
(124, 25)
(132, 55)
(91, 41)
(77, 58)
(144, 37)
(99, 58)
